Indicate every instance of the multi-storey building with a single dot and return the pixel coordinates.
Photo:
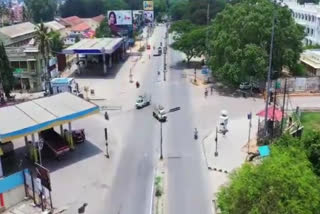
(307, 15)
(23, 55)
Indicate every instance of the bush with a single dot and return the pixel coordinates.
(158, 186)
(299, 70)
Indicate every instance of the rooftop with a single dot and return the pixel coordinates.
(99, 18)
(18, 29)
(81, 27)
(40, 114)
(311, 58)
(54, 26)
(72, 20)
(94, 46)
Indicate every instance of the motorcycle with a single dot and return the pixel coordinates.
(195, 134)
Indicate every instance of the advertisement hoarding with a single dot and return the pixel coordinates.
(120, 17)
(148, 16)
(148, 5)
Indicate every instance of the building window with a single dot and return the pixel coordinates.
(308, 30)
(311, 32)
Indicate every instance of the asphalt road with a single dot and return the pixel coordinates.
(188, 191)
(188, 186)
(131, 191)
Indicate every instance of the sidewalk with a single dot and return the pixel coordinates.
(24, 207)
(230, 150)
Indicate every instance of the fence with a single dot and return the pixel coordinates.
(299, 84)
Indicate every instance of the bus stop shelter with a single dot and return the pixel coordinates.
(98, 46)
(29, 118)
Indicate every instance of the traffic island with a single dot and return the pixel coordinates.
(160, 194)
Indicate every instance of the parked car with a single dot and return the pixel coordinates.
(78, 136)
(248, 86)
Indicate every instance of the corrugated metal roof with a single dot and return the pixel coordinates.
(18, 29)
(54, 25)
(72, 20)
(36, 115)
(81, 27)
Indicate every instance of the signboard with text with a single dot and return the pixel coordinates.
(148, 5)
(148, 16)
(120, 17)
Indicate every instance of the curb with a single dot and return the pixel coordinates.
(218, 170)
(152, 192)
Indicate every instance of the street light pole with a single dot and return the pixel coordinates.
(161, 138)
(107, 145)
(161, 154)
(269, 73)
(250, 125)
(216, 139)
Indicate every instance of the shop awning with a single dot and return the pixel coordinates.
(274, 114)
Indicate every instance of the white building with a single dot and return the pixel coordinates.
(307, 15)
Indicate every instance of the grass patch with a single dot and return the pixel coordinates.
(158, 184)
(310, 121)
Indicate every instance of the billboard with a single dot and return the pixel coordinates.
(120, 17)
(148, 5)
(148, 16)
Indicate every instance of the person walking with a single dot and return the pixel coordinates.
(211, 89)
(206, 93)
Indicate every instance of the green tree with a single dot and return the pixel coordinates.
(282, 183)
(311, 143)
(160, 9)
(83, 8)
(115, 5)
(178, 10)
(42, 10)
(135, 4)
(181, 27)
(192, 43)
(43, 40)
(103, 30)
(6, 72)
(56, 42)
(240, 41)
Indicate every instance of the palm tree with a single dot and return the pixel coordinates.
(43, 40)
